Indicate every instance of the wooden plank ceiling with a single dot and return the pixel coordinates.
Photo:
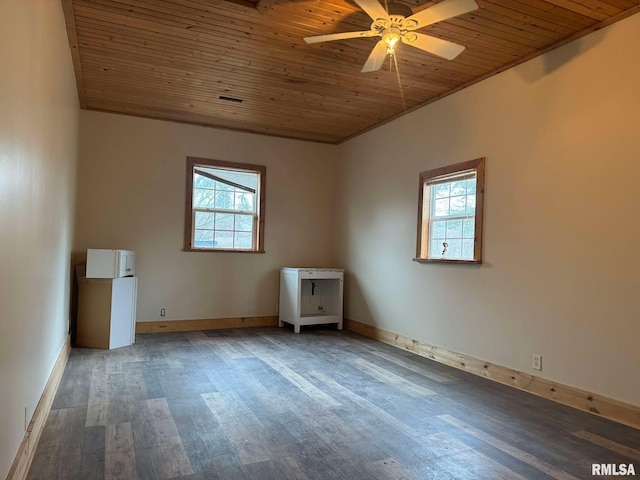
(174, 59)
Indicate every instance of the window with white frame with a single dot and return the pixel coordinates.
(450, 213)
(225, 206)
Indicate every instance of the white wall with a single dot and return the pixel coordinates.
(131, 194)
(38, 144)
(562, 272)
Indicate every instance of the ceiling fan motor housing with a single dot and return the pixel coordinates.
(397, 20)
(399, 10)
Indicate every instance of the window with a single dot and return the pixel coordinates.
(224, 207)
(450, 213)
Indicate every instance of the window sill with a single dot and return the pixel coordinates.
(220, 250)
(444, 260)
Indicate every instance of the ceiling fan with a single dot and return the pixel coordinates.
(397, 23)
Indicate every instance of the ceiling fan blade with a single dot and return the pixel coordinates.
(373, 8)
(339, 36)
(376, 58)
(442, 11)
(437, 46)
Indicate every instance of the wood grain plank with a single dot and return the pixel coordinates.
(120, 458)
(389, 468)
(551, 470)
(435, 444)
(416, 368)
(239, 424)
(625, 450)
(390, 378)
(106, 400)
(292, 376)
(157, 441)
(470, 464)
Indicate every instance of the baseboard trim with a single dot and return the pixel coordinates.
(600, 405)
(205, 324)
(27, 449)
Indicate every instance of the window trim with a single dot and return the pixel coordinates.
(192, 163)
(422, 238)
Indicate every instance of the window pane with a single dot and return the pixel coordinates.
(455, 248)
(468, 228)
(441, 190)
(467, 248)
(223, 239)
(459, 187)
(437, 247)
(244, 223)
(471, 185)
(244, 201)
(204, 220)
(224, 221)
(203, 198)
(242, 240)
(441, 207)
(202, 182)
(224, 200)
(203, 239)
(471, 203)
(438, 229)
(223, 186)
(457, 205)
(454, 229)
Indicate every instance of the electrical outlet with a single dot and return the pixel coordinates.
(163, 312)
(537, 362)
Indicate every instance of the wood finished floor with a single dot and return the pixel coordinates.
(268, 404)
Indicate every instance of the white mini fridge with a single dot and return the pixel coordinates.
(106, 311)
(310, 296)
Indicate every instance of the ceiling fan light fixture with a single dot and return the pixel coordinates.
(391, 37)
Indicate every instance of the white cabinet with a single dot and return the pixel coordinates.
(310, 296)
(105, 263)
(106, 312)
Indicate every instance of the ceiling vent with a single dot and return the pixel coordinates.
(230, 99)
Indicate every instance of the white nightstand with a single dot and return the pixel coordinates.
(310, 296)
